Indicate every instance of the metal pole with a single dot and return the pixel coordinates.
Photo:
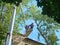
(10, 31)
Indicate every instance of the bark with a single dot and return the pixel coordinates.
(43, 36)
(42, 33)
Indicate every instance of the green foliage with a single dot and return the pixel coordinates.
(43, 21)
(31, 12)
(25, 2)
(12, 1)
(5, 23)
(53, 39)
(2, 32)
(51, 8)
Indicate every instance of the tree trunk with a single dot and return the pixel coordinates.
(43, 36)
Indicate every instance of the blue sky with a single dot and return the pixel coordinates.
(35, 32)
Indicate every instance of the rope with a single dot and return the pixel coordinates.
(23, 15)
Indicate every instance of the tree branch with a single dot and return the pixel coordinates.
(42, 33)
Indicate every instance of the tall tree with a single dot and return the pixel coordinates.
(6, 11)
(13, 1)
(45, 25)
(4, 24)
(51, 8)
(16, 3)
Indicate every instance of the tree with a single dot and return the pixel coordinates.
(51, 8)
(16, 3)
(32, 12)
(6, 13)
(7, 6)
(13, 1)
(45, 25)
